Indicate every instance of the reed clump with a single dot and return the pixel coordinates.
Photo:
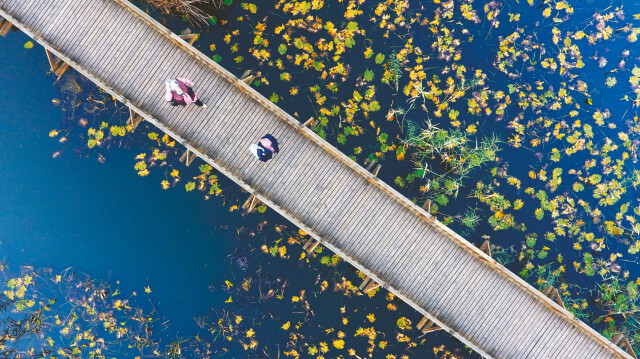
(192, 9)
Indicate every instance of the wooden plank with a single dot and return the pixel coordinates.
(523, 330)
(54, 19)
(83, 50)
(558, 341)
(474, 306)
(34, 11)
(572, 346)
(498, 295)
(339, 190)
(532, 340)
(129, 58)
(549, 330)
(214, 128)
(511, 315)
(216, 141)
(415, 234)
(295, 184)
(373, 237)
(389, 235)
(152, 54)
(398, 246)
(552, 330)
(353, 209)
(440, 271)
(369, 239)
(117, 49)
(74, 28)
(360, 220)
(421, 247)
(419, 241)
(437, 257)
(464, 300)
(231, 144)
(317, 215)
(444, 293)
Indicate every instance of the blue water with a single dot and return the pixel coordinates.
(102, 219)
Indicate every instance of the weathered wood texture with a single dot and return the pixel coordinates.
(394, 242)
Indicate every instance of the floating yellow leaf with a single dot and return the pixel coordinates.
(229, 300)
(286, 325)
(28, 44)
(147, 289)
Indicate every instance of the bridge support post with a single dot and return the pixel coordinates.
(552, 293)
(375, 170)
(427, 206)
(311, 123)
(189, 37)
(368, 285)
(621, 340)
(247, 77)
(134, 119)
(426, 326)
(187, 157)
(486, 247)
(311, 245)
(251, 203)
(5, 27)
(58, 67)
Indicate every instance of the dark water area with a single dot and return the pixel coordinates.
(101, 219)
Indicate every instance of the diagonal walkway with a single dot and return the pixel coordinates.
(311, 183)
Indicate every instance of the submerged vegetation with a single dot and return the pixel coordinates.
(518, 121)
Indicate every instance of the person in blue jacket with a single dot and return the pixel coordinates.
(266, 147)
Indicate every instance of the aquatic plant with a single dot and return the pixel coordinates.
(191, 10)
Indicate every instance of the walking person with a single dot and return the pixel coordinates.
(266, 147)
(179, 91)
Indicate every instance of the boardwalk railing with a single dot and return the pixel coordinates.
(397, 244)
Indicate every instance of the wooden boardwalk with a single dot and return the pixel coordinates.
(311, 183)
